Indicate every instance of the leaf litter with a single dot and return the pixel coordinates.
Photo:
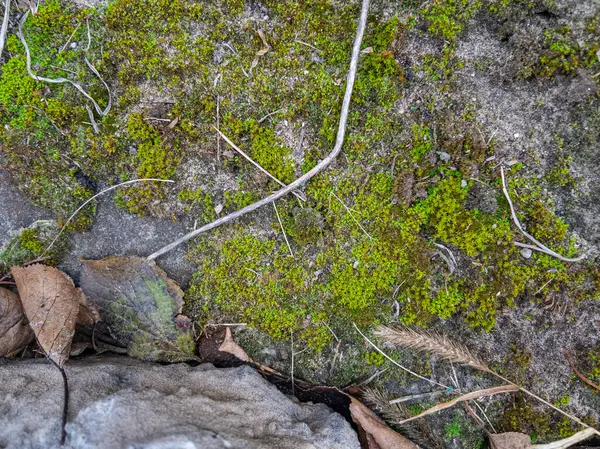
(138, 303)
(15, 332)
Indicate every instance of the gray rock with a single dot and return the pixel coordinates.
(117, 402)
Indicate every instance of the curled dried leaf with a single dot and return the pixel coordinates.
(15, 332)
(51, 303)
(230, 346)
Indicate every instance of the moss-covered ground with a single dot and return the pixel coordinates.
(409, 225)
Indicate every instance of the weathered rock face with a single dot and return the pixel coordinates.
(123, 403)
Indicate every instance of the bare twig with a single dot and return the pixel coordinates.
(318, 168)
(92, 120)
(4, 29)
(567, 442)
(270, 114)
(282, 229)
(396, 363)
(464, 397)
(219, 135)
(256, 164)
(540, 246)
(429, 342)
(581, 376)
(89, 35)
(484, 415)
(60, 80)
(92, 198)
(70, 37)
(417, 397)
(372, 377)
(47, 116)
(308, 45)
(352, 216)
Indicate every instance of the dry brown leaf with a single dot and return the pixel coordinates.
(15, 333)
(88, 315)
(510, 440)
(263, 51)
(51, 304)
(376, 429)
(232, 347)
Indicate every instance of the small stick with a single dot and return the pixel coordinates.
(308, 45)
(226, 324)
(89, 36)
(159, 119)
(371, 378)
(416, 397)
(63, 69)
(65, 410)
(311, 173)
(256, 164)
(292, 373)
(219, 135)
(4, 29)
(69, 40)
(91, 116)
(396, 363)
(540, 246)
(464, 397)
(484, 415)
(581, 376)
(353, 218)
(282, 229)
(269, 115)
(90, 199)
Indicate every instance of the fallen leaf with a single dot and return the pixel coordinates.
(230, 346)
(51, 303)
(87, 315)
(263, 51)
(138, 303)
(510, 440)
(378, 434)
(15, 333)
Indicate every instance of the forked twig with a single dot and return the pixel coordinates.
(539, 246)
(316, 169)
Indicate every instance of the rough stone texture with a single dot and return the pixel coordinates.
(116, 232)
(123, 403)
(17, 211)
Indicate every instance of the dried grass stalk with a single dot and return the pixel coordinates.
(433, 343)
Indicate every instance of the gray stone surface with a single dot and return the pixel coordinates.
(117, 402)
(17, 211)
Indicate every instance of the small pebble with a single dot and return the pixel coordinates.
(218, 209)
(463, 183)
(443, 156)
(526, 253)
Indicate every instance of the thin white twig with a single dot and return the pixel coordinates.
(4, 29)
(352, 216)
(371, 378)
(60, 80)
(89, 36)
(256, 164)
(69, 39)
(270, 114)
(540, 246)
(396, 363)
(308, 45)
(332, 333)
(316, 169)
(415, 397)
(92, 120)
(292, 373)
(282, 229)
(484, 415)
(92, 198)
(219, 135)
(226, 324)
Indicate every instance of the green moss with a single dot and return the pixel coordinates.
(374, 358)
(31, 242)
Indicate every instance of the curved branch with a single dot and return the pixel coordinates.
(318, 168)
